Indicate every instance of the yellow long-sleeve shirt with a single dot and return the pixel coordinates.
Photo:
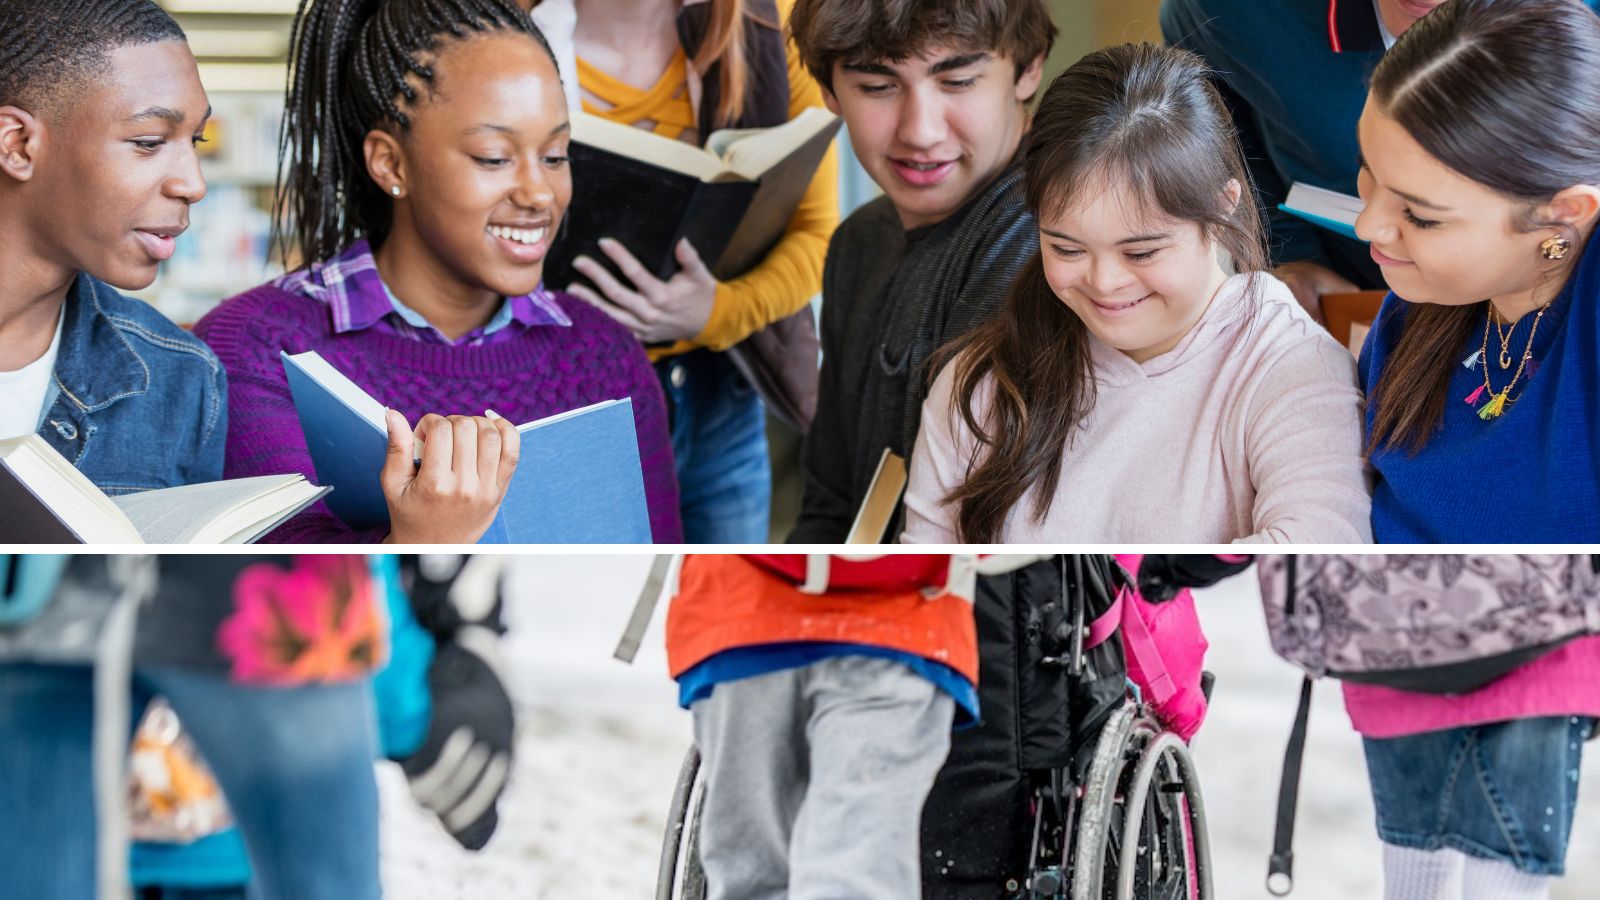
(792, 272)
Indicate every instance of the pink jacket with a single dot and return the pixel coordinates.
(1166, 652)
(1563, 683)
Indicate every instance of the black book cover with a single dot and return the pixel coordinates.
(27, 519)
(732, 224)
(646, 208)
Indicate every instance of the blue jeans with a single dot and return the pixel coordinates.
(296, 765)
(1505, 791)
(719, 439)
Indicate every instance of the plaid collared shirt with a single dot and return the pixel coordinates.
(358, 299)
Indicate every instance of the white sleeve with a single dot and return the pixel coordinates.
(939, 463)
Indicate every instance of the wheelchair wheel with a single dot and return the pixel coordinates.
(1141, 832)
(1164, 825)
(679, 876)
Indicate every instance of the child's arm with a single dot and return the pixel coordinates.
(1303, 434)
(941, 460)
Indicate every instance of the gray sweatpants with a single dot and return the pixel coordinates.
(815, 779)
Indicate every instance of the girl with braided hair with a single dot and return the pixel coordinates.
(423, 179)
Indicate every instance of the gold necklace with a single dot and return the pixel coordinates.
(1505, 336)
(1498, 400)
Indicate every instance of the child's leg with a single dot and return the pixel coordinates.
(1411, 874)
(1492, 879)
(878, 735)
(47, 814)
(296, 765)
(751, 735)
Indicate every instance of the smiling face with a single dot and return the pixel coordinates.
(1138, 279)
(1439, 236)
(483, 169)
(1398, 15)
(117, 169)
(932, 130)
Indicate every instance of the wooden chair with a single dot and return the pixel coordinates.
(1348, 315)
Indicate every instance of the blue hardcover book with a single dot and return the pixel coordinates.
(579, 480)
(1330, 209)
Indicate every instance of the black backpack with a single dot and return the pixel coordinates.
(1038, 719)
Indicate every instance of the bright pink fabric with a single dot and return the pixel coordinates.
(1563, 683)
(1166, 651)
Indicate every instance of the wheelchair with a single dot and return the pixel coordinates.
(1133, 828)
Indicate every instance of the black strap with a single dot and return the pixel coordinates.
(1280, 868)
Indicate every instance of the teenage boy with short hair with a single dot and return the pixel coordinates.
(934, 95)
(100, 110)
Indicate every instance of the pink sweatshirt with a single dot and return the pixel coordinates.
(1563, 683)
(1249, 430)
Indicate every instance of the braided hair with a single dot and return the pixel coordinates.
(355, 65)
(51, 47)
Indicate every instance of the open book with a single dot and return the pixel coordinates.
(46, 500)
(1332, 210)
(578, 481)
(732, 199)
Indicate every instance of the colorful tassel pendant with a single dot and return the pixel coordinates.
(1472, 360)
(1472, 398)
(1495, 406)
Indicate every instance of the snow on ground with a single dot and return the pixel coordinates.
(600, 743)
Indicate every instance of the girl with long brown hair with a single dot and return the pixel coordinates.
(1132, 389)
(683, 69)
(1481, 139)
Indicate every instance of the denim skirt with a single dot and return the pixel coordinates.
(1504, 791)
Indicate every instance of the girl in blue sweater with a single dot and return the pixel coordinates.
(1481, 175)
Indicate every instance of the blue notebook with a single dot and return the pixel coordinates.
(579, 480)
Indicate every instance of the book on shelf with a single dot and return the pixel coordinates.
(883, 498)
(578, 480)
(1332, 210)
(48, 501)
(732, 199)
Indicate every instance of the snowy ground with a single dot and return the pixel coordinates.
(600, 745)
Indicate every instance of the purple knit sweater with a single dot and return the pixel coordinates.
(541, 372)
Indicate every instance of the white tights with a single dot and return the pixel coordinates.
(1447, 874)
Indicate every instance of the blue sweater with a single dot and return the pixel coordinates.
(1530, 476)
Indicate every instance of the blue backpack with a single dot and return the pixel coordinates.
(27, 582)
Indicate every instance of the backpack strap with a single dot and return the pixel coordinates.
(1280, 868)
(134, 577)
(656, 584)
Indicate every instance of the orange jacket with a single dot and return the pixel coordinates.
(725, 601)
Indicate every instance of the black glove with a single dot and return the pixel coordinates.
(462, 767)
(1163, 575)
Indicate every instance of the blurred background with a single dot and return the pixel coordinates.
(600, 743)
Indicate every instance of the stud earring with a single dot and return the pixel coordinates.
(394, 189)
(1555, 248)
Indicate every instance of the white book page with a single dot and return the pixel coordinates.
(179, 515)
(1325, 203)
(71, 496)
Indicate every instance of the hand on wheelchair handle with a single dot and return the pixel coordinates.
(463, 765)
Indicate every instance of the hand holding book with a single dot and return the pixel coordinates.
(656, 311)
(450, 491)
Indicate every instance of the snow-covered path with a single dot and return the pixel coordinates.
(600, 745)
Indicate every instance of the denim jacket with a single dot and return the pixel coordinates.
(136, 402)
